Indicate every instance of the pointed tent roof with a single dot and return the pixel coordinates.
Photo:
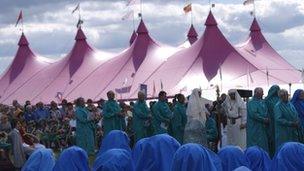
(125, 70)
(208, 59)
(133, 37)
(24, 66)
(260, 53)
(64, 74)
(192, 34)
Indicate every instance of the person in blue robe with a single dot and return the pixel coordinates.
(138, 148)
(115, 139)
(41, 159)
(157, 153)
(194, 157)
(258, 159)
(290, 157)
(232, 157)
(114, 160)
(298, 102)
(72, 159)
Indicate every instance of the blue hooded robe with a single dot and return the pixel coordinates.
(232, 157)
(138, 148)
(74, 159)
(115, 139)
(299, 105)
(114, 160)
(157, 153)
(42, 159)
(258, 159)
(194, 157)
(289, 158)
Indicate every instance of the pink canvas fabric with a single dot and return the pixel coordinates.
(259, 52)
(24, 67)
(54, 81)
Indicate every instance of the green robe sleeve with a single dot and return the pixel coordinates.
(81, 116)
(253, 112)
(279, 117)
(141, 110)
(110, 110)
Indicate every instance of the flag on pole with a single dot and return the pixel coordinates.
(59, 96)
(125, 82)
(79, 23)
(76, 8)
(187, 8)
(132, 2)
(247, 2)
(213, 5)
(129, 15)
(20, 17)
(123, 90)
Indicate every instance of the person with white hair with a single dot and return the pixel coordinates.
(287, 122)
(195, 130)
(235, 109)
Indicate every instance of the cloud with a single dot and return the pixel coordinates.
(50, 26)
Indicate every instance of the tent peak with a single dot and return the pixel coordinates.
(255, 25)
(210, 20)
(142, 29)
(133, 37)
(23, 41)
(80, 35)
(192, 32)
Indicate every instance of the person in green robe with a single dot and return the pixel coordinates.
(161, 114)
(179, 119)
(84, 128)
(111, 114)
(141, 117)
(286, 121)
(211, 132)
(257, 121)
(271, 100)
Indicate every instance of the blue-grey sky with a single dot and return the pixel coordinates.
(50, 26)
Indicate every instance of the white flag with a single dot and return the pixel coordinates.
(247, 2)
(76, 8)
(132, 2)
(129, 15)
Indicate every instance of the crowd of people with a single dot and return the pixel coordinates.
(222, 135)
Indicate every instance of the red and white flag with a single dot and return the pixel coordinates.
(154, 89)
(20, 17)
(187, 8)
(132, 2)
(128, 16)
(247, 2)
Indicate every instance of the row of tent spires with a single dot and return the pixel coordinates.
(210, 59)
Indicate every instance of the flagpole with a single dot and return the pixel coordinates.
(191, 13)
(22, 27)
(141, 9)
(254, 12)
(210, 5)
(133, 21)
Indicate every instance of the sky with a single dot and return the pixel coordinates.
(50, 27)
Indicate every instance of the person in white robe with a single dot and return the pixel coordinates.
(235, 109)
(195, 131)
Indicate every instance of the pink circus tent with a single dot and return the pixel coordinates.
(25, 66)
(210, 60)
(260, 53)
(126, 70)
(62, 76)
